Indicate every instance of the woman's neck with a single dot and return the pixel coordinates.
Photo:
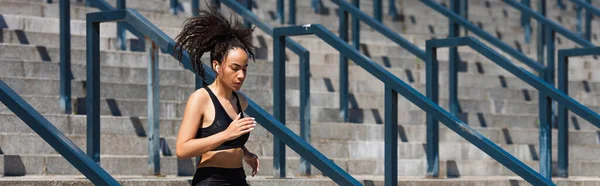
(220, 90)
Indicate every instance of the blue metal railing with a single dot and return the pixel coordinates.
(279, 99)
(589, 10)
(153, 33)
(546, 91)
(563, 115)
(545, 72)
(54, 137)
(394, 86)
(345, 9)
(551, 28)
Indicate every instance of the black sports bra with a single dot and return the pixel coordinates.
(221, 122)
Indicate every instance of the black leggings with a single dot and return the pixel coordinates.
(216, 176)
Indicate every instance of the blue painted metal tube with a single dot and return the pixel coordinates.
(563, 115)
(356, 26)
(454, 60)
(121, 40)
(54, 137)
(561, 4)
(343, 65)
(49, 1)
(248, 6)
(173, 7)
(391, 137)
(317, 5)
(93, 89)
(484, 35)
(541, 30)
(292, 12)
(549, 23)
(65, 56)
(464, 12)
(526, 22)
(377, 14)
(305, 108)
(432, 91)
(153, 96)
(279, 103)
(545, 114)
(588, 24)
(579, 22)
(280, 11)
(392, 11)
(195, 7)
(587, 5)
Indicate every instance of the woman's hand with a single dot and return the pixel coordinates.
(239, 126)
(252, 160)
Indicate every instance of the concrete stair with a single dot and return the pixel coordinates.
(497, 104)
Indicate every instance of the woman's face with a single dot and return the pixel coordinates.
(232, 71)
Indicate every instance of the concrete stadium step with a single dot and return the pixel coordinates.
(129, 165)
(581, 149)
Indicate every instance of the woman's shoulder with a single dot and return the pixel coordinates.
(199, 96)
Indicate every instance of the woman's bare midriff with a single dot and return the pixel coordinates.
(227, 158)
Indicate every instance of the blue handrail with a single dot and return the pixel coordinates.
(484, 35)
(269, 122)
(54, 137)
(396, 86)
(345, 9)
(279, 99)
(589, 10)
(432, 73)
(563, 115)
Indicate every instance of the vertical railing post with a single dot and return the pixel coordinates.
(561, 4)
(280, 11)
(563, 115)
(377, 6)
(153, 108)
(392, 11)
(545, 110)
(464, 12)
(195, 7)
(391, 136)
(248, 5)
(432, 91)
(526, 22)
(279, 103)
(65, 56)
(540, 32)
(343, 17)
(317, 6)
(305, 107)
(453, 63)
(588, 23)
(93, 90)
(49, 1)
(356, 27)
(292, 12)
(579, 22)
(121, 40)
(173, 4)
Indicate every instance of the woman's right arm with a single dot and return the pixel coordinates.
(186, 146)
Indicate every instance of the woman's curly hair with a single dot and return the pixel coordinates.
(211, 32)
